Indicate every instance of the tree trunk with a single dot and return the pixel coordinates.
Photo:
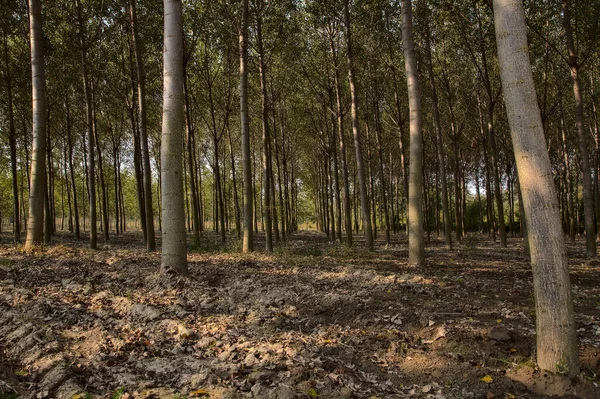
(71, 168)
(362, 179)
(13, 146)
(35, 224)
(265, 136)
(342, 141)
(90, 131)
(439, 146)
(555, 324)
(416, 245)
(174, 247)
(588, 198)
(247, 241)
(141, 85)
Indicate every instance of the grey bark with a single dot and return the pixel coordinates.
(174, 247)
(35, 223)
(555, 325)
(416, 243)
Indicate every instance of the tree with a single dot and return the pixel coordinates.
(588, 196)
(35, 224)
(555, 325)
(247, 244)
(174, 246)
(141, 84)
(90, 129)
(362, 178)
(416, 241)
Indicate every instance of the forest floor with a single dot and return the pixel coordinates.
(313, 320)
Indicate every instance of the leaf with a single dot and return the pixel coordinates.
(487, 379)
(509, 396)
(77, 396)
(513, 350)
(201, 393)
(21, 373)
(312, 393)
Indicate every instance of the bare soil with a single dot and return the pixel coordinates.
(313, 320)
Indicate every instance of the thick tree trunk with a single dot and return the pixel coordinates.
(35, 224)
(555, 324)
(141, 86)
(174, 247)
(362, 178)
(416, 244)
(247, 241)
(588, 197)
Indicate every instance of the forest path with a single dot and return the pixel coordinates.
(314, 319)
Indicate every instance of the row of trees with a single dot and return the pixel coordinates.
(402, 167)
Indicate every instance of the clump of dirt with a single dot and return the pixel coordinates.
(314, 320)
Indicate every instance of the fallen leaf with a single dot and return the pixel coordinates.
(200, 393)
(487, 379)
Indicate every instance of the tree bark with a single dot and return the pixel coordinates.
(362, 179)
(90, 131)
(13, 145)
(141, 86)
(247, 240)
(555, 324)
(174, 247)
(439, 146)
(35, 224)
(588, 198)
(416, 244)
(265, 136)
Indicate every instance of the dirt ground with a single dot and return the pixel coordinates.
(313, 320)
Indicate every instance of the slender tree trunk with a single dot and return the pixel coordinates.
(141, 86)
(588, 198)
(555, 324)
(416, 245)
(247, 241)
(342, 141)
(439, 146)
(364, 194)
(35, 224)
(90, 131)
(71, 168)
(174, 247)
(13, 145)
(265, 137)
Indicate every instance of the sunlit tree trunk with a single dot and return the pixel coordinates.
(416, 243)
(555, 325)
(35, 223)
(174, 247)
